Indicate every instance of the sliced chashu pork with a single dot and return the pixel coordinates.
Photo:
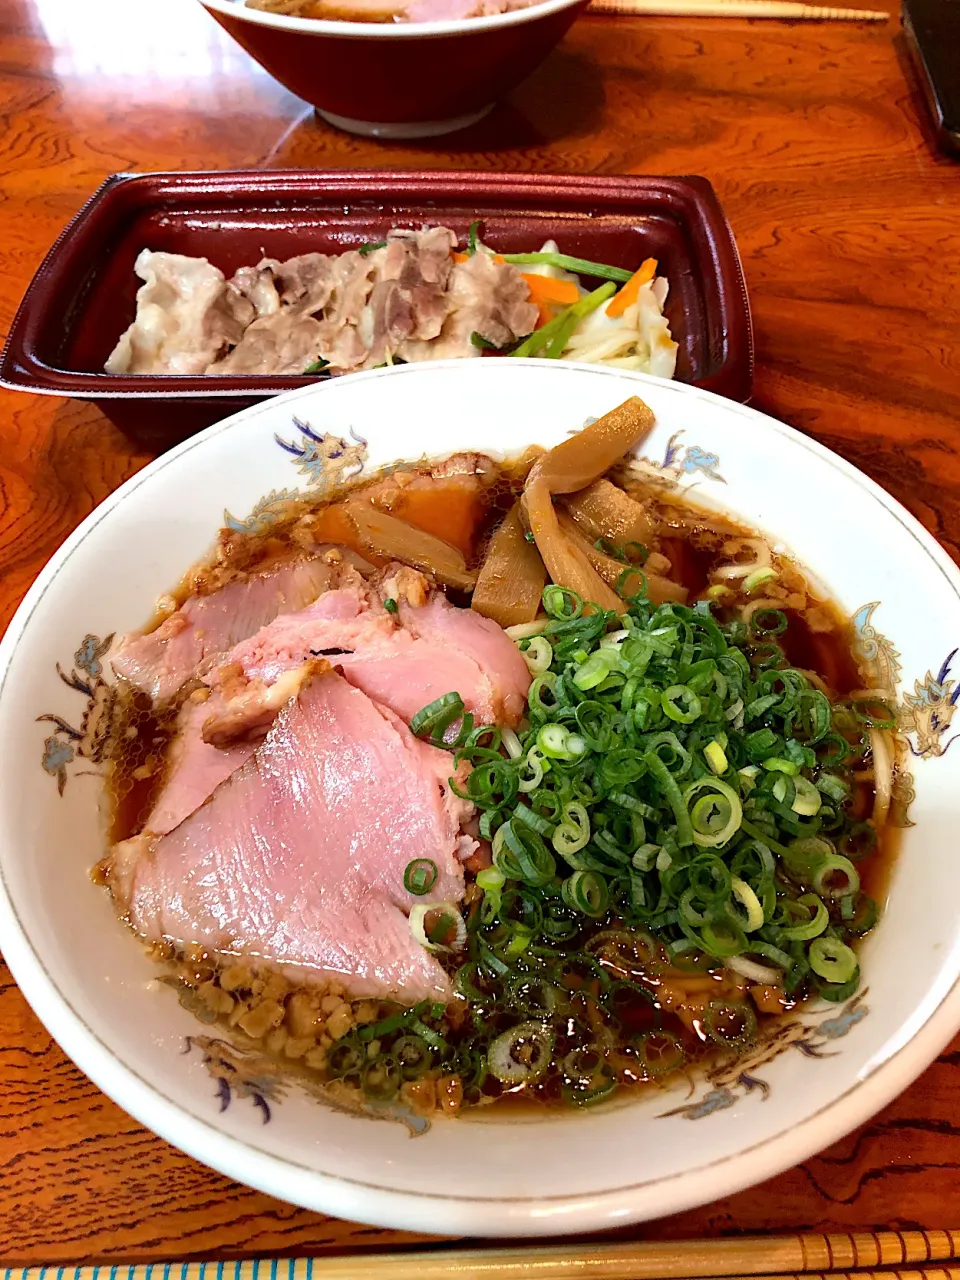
(404, 661)
(206, 626)
(194, 769)
(450, 630)
(198, 761)
(298, 858)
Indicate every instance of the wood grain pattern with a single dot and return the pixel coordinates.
(849, 227)
(738, 1258)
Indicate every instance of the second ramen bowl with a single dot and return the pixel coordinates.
(400, 79)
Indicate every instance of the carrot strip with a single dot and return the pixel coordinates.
(549, 294)
(630, 291)
(543, 289)
(459, 256)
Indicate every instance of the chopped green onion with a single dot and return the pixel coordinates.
(675, 776)
(817, 919)
(536, 767)
(537, 653)
(520, 854)
(433, 721)
(749, 916)
(723, 938)
(832, 959)
(346, 1059)
(858, 841)
(753, 971)
(671, 793)
(865, 914)
(573, 831)
(584, 1068)
(759, 578)
(448, 918)
(681, 704)
(429, 1036)
(806, 801)
(390, 605)
(413, 1056)
(381, 1079)
(876, 713)
(535, 821)
(586, 892)
(715, 817)
(589, 1097)
(371, 248)
(420, 876)
(595, 670)
(534, 1041)
(840, 991)
(561, 603)
(835, 877)
(490, 879)
(770, 952)
(317, 366)
(552, 741)
(659, 1052)
(833, 787)
(731, 1024)
(768, 622)
(776, 764)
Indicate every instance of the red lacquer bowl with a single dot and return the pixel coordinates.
(402, 79)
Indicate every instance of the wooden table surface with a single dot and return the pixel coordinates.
(849, 228)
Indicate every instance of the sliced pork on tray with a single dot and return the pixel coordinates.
(412, 296)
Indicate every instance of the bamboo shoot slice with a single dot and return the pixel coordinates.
(510, 586)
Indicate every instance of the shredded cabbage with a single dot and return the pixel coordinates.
(639, 339)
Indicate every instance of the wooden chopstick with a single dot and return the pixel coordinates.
(796, 1257)
(791, 9)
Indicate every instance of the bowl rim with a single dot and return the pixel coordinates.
(878, 1083)
(334, 27)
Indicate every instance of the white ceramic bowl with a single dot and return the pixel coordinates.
(88, 980)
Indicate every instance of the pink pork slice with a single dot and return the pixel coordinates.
(204, 627)
(438, 649)
(463, 631)
(298, 858)
(194, 769)
(402, 670)
(348, 618)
